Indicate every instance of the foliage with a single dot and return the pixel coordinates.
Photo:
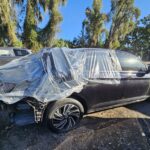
(32, 36)
(80, 41)
(47, 35)
(62, 43)
(138, 41)
(124, 31)
(93, 25)
(7, 25)
(123, 16)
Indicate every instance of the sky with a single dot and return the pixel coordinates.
(74, 13)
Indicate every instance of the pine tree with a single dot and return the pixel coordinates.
(123, 16)
(94, 24)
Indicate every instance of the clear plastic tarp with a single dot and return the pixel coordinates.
(56, 73)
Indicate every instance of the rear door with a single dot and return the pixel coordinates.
(104, 85)
(135, 80)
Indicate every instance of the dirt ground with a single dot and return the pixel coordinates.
(123, 128)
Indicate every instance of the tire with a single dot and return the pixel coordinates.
(64, 115)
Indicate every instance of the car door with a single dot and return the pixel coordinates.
(135, 80)
(103, 88)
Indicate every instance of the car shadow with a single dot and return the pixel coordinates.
(142, 108)
(121, 131)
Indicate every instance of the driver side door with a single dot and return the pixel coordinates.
(136, 81)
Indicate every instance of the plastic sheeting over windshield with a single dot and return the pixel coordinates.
(56, 73)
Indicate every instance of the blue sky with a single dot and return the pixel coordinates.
(74, 13)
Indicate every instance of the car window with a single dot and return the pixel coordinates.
(20, 52)
(99, 64)
(5, 53)
(130, 62)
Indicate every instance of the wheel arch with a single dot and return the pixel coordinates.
(75, 96)
(79, 98)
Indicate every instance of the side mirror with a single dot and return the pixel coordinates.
(142, 73)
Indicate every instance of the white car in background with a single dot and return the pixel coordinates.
(10, 53)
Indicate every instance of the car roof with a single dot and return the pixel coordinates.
(99, 49)
(91, 49)
(11, 48)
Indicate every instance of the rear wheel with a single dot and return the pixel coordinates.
(64, 115)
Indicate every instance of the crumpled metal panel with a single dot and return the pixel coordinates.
(55, 73)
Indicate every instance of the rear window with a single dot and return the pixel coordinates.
(99, 65)
(20, 52)
(4, 53)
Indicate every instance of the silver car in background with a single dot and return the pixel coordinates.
(10, 53)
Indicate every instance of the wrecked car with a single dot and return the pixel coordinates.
(61, 85)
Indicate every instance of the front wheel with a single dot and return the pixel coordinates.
(64, 115)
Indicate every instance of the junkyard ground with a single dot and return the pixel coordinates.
(122, 128)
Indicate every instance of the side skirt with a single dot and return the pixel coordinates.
(113, 104)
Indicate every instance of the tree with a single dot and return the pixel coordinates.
(47, 35)
(93, 25)
(7, 25)
(32, 36)
(138, 41)
(81, 40)
(123, 15)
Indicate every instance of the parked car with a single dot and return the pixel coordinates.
(111, 79)
(11, 53)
